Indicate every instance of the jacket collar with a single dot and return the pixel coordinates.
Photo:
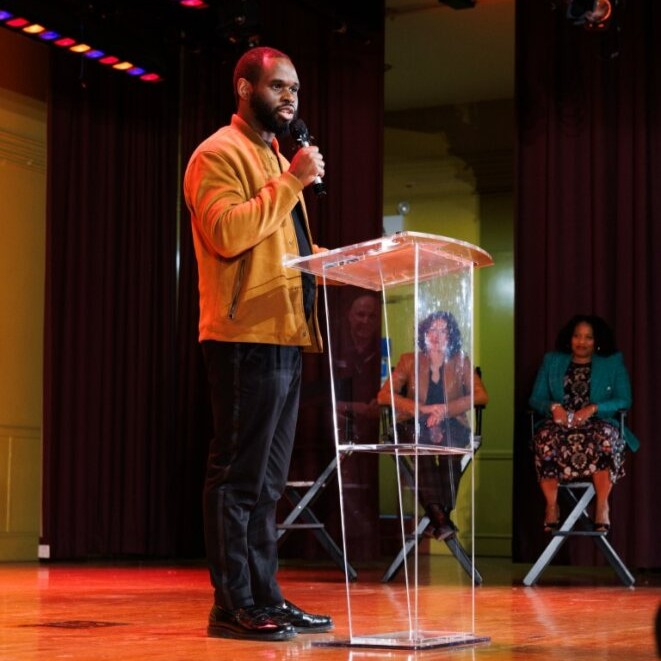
(243, 127)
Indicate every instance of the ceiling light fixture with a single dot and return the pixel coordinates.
(591, 14)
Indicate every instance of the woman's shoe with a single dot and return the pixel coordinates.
(429, 531)
(440, 527)
(436, 514)
(601, 518)
(445, 531)
(552, 518)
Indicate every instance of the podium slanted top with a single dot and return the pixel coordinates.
(398, 259)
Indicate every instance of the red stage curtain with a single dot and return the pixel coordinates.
(110, 307)
(588, 224)
(126, 416)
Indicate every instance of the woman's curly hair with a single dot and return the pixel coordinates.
(604, 338)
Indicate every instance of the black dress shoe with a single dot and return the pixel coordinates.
(301, 621)
(251, 623)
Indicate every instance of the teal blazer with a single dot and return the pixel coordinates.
(610, 388)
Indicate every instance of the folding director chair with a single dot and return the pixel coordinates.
(577, 496)
(407, 472)
(301, 495)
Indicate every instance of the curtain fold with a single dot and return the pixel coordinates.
(110, 307)
(588, 220)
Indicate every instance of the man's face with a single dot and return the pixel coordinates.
(364, 317)
(274, 98)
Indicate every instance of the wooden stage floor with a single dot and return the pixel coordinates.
(155, 611)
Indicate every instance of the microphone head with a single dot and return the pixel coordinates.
(299, 131)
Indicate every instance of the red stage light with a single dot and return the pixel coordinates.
(17, 22)
(193, 4)
(65, 42)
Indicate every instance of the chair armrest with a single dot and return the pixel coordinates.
(478, 419)
(622, 416)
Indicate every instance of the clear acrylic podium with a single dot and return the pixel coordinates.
(411, 276)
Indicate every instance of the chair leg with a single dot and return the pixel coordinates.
(577, 513)
(457, 550)
(302, 503)
(405, 550)
(301, 508)
(559, 538)
(614, 559)
(327, 542)
(544, 559)
(465, 560)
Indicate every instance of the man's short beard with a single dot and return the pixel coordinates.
(268, 117)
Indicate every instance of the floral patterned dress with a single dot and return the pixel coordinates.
(575, 453)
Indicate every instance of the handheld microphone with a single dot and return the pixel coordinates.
(299, 131)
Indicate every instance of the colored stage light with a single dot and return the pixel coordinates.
(42, 32)
(34, 29)
(64, 42)
(17, 22)
(193, 4)
(49, 35)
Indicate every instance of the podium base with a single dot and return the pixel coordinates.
(404, 640)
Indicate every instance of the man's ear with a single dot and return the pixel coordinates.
(244, 89)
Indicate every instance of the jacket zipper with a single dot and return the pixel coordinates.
(237, 289)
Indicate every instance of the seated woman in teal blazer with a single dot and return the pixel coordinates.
(579, 389)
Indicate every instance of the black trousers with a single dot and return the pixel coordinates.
(254, 395)
(438, 480)
(438, 475)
